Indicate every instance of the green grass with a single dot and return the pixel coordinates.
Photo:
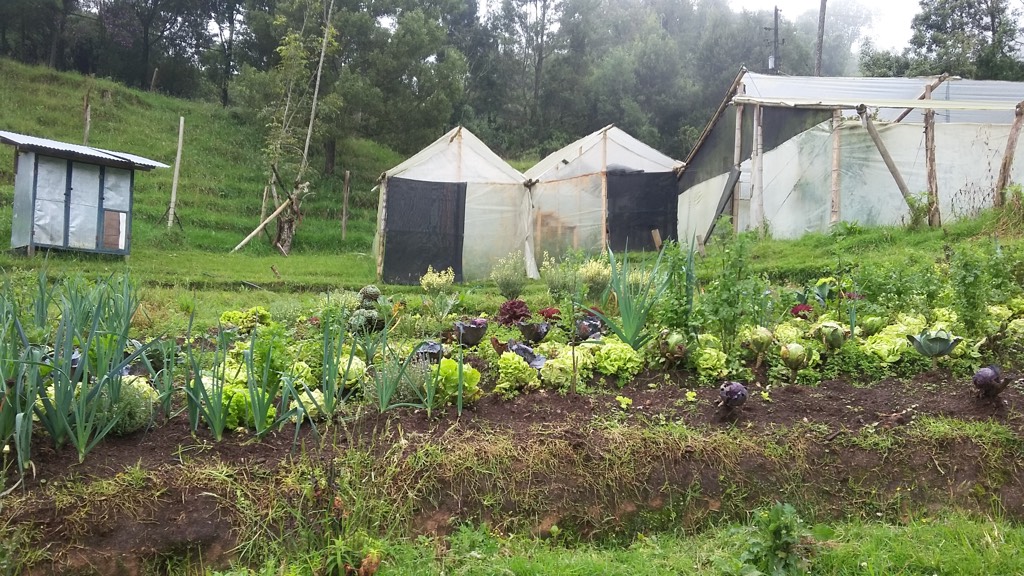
(951, 545)
(223, 172)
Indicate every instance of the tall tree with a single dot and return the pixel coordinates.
(145, 27)
(970, 38)
(226, 17)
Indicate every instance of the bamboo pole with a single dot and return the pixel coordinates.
(1011, 147)
(934, 217)
(177, 170)
(344, 205)
(262, 225)
(862, 111)
(837, 121)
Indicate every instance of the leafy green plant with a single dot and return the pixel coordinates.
(677, 308)
(636, 299)
(134, 409)
(515, 375)
(618, 359)
(509, 275)
(734, 297)
(776, 542)
(971, 288)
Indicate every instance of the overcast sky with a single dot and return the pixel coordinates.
(890, 18)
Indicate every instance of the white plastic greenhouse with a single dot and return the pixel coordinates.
(453, 204)
(794, 155)
(607, 189)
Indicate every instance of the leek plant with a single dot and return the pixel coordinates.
(263, 387)
(87, 362)
(636, 293)
(205, 399)
(18, 389)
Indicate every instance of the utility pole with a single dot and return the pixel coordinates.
(821, 39)
(773, 59)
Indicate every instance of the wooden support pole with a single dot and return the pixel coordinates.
(344, 205)
(934, 217)
(87, 112)
(862, 111)
(262, 225)
(737, 159)
(924, 94)
(836, 203)
(757, 178)
(177, 170)
(1011, 147)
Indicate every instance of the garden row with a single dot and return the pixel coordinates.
(71, 373)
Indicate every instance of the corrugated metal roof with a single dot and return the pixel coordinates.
(847, 103)
(866, 90)
(78, 151)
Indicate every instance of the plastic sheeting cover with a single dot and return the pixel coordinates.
(48, 212)
(797, 178)
(117, 189)
(569, 214)
(83, 216)
(21, 226)
(495, 226)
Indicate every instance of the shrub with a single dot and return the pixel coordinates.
(509, 275)
(134, 409)
(595, 275)
(561, 278)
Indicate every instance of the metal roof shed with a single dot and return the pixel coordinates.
(72, 197)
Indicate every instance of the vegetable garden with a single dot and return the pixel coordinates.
(582, 408)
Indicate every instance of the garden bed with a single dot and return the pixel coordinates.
(579, 464)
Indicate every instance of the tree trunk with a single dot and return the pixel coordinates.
(330, 151)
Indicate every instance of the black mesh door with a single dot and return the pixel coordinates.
(424, 226)
(639, 202)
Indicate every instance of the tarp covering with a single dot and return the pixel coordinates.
(492, 222)
(607, 182)
(425, 228)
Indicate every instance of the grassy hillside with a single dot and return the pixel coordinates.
(222, 178)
